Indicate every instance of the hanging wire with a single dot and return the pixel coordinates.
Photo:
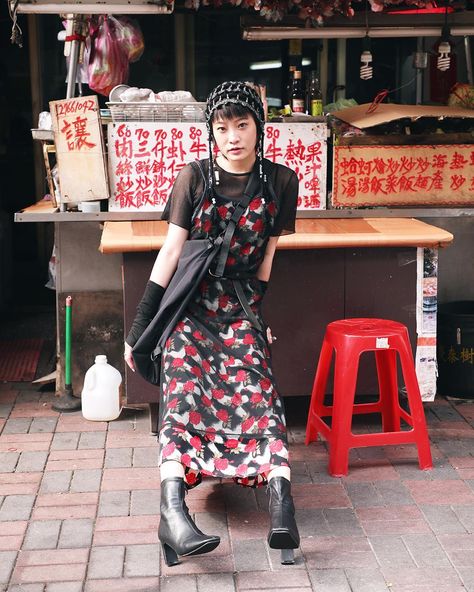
(380, 96)
(366, 69)
(444, 48)
(17, 33)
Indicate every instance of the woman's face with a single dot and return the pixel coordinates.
(236, 139)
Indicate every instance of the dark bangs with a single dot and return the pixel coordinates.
(230, 111)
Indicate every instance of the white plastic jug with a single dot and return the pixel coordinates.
(101, 392)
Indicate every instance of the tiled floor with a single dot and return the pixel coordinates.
(79, 510)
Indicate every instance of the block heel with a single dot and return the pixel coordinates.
(287, 556)
(178, 533)
(170, 555)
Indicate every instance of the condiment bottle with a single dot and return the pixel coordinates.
(297, 93)
(315, 99)
(289, 86)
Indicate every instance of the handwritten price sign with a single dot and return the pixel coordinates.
(145, 158)
(79, 149)
(402, 175)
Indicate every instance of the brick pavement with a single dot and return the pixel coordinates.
(79, 508)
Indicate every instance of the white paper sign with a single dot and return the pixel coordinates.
(145, 158)
(79, 149)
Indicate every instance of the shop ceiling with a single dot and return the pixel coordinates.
(376, 25)
(256, 28)
(90, 7)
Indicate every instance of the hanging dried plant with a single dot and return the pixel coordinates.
(314, 11)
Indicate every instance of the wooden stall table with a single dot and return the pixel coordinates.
(329, 269)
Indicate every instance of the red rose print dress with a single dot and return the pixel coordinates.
(220, 413)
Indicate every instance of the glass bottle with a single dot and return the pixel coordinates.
(289, 85)
(315, 99)
(297, 93)
(263, 96)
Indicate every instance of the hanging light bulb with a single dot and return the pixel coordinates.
(444, 59)
(444, 47)
(366, 69)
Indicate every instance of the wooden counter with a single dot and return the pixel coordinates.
(329, 269)
(119, 237)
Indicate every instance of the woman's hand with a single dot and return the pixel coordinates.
(270, 337)
(127, 354)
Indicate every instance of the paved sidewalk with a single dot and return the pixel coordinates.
(79, 507)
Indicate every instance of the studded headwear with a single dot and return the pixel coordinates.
(238, 93)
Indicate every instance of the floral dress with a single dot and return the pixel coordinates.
(220, 413)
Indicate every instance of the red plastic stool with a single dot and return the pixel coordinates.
(349, 338)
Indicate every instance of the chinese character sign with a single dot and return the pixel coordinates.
(79, 149)
(302, 148)
(145, 159)
(403, 175)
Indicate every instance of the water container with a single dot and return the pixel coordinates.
(101, 392)
(456, 349)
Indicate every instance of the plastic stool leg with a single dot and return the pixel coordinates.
(345, 380)
(416, 407)
(386, 361)
(316, 406)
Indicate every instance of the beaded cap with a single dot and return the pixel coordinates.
(238, 93)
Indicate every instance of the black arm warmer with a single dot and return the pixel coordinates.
(146, 310)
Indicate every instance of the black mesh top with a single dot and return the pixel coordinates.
(189, 186)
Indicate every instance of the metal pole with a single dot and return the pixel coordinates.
(323, 74)
(72, 71)
(467, 49)
(67, 402)
(419, 74)
(341, 68)
(67, 351)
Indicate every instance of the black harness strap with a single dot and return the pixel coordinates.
(250, 190)
(246, 306)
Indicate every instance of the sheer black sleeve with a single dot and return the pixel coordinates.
(180, 204)
(286, 189)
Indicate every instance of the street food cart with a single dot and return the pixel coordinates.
(348, 257)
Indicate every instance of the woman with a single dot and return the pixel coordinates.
(220, 414)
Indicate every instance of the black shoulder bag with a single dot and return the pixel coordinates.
(194, 263)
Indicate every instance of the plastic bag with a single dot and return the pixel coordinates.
(108, 65)
(82, 72)
(131, 36)
(51, 283)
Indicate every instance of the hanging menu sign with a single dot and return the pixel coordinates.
(403, 175)
(79, 149)
(145, 158)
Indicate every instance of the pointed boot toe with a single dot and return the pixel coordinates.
(178, 533)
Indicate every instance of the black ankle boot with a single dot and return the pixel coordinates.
(283, 530)
(177, 532)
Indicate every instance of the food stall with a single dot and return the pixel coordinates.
(317, 272)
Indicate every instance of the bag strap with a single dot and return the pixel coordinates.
(228, 234)
(249, 191)
(194, 164)
(246, 306)
(225, 239)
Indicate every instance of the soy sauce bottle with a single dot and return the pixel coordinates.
(297, 93)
